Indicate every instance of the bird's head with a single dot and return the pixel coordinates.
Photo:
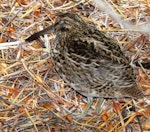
(67, 22)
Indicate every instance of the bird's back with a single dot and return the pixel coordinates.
(93, 64)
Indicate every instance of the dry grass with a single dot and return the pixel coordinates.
(34, 98)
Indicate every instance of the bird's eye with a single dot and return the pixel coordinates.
(63, 25)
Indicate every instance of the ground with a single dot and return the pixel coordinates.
(34, 98)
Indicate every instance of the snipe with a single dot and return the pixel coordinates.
(88, 60)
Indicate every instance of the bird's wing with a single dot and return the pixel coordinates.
(101, 63)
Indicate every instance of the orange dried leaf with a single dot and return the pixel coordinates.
(104, 116)
(52, 130)
(148, 109)
(110, 126)
(47, 107)
(2, 114)
(1, 123)
(67, 104)
(146, 124)
(21, 109)
(36, 14)
(142, 74)
(142, 104)
(117, 107)
(84, 105)
(147, 10)
(25, 53)
(11, 29)
(69, 117)
(36, 45)
(146, 113)
(27, 24)
(15, 90)
(60, 101)
(51, 42)
(23, 2)
(2, 40)
(26, 99)
(74, 9)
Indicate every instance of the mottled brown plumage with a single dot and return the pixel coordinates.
(88, 60)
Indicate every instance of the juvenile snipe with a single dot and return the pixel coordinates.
(88, 60)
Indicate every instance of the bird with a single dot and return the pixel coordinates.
(89, 60)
